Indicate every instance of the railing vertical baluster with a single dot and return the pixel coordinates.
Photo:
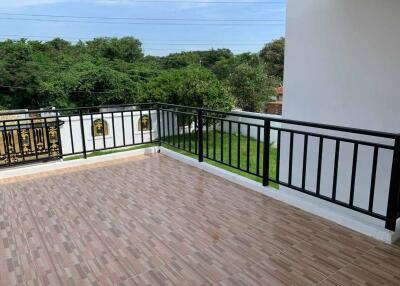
(151, 126)
(159, 126)
(304, 171)
(132, 127)
(141, 125)
(163, 124)
(123, 128)
(168, 128)
(214, 139)
(353, 174)
(196, 136)
(92, 132)
(278, 155)
(320, 152)
(200, 128)
(7, 146)
(290, 176)
(113, 129)
(207, 138)
(266, 153)
(173, 127)
(222, 140)
(178, 131)
(103, 131)
(248, 149)
(21, 147)
(34, 138)
(394, 190)
(70, 134)
(335, 169)
(47, 138)
(60, 151)
(238, 145)
(258, 150)
(82, 134)
(184, 130)
(373, 179)
(190, 133)
(230, 143)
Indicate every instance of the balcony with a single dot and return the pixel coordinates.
(154, 220)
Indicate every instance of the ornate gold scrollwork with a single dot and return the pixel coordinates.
(53, 138)
(25, 141)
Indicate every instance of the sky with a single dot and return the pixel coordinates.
(239, 26)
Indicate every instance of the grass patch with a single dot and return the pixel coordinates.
(222, 153)
(112, 151)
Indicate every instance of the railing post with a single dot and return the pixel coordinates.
(267, 131)
(82, 134)
(394, 190)
(158, 125)
(200, 131)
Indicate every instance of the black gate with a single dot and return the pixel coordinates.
(27, 140)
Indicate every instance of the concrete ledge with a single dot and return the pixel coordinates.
(19, 171)
(340, 215)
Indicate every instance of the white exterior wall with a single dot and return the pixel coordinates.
(342, 67)
(77, 138)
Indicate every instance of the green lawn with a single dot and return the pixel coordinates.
(234, 153)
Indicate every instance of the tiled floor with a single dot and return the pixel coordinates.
(155, 221)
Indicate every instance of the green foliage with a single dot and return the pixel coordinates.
(127, 49)
(114, 71)
(274, 57)
(192, 86)
(252, 87)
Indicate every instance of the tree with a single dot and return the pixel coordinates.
(88, 85)
(274, 56)
(252, 87)
(192, 86)
(127, 49)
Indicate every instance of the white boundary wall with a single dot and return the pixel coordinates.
(253, 130)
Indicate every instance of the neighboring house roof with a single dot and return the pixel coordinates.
(279, 90)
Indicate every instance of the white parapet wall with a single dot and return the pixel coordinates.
(253, 130)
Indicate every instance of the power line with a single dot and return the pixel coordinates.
(186, 41)
(139, 23)
(143, 19)
(174, 43)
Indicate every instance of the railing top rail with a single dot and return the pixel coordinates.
(360, 131)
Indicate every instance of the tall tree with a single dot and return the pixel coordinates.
(274, 56)
(252, 87)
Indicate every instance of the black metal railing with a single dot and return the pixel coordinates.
(355, 168)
